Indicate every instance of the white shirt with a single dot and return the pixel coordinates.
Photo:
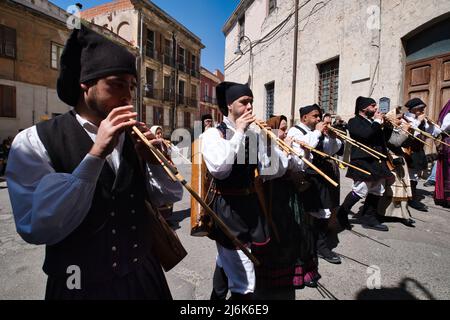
(415, 123)
(47, 205)
(446, 123)
(330, 145)
(219, 154)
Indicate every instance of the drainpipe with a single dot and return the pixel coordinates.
(294, 65)
(139, 60)
(175, 87)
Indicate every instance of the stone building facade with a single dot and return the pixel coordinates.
(32, 35)
(390, 50)
(170, 67)
(208, 100)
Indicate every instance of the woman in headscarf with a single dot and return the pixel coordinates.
(442, 190)
(290, 261)
(158, 133)
(394, 202)
(167, 209)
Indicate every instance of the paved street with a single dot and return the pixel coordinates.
(413, 262)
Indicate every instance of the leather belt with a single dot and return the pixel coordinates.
(235, 192)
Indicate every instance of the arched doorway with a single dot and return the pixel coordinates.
(427, 69)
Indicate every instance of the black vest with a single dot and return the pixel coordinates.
(113, 238)
(318, 161)
(242, 174)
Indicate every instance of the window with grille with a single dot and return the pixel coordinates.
(56, 55)
(7, 42)
(272, 5)
(7, 101)
(270, 92)
(328, 85)
(150, 44)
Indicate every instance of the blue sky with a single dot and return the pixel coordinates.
(205, 18)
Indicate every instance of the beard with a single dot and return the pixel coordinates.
(94, 105)
(370, 114)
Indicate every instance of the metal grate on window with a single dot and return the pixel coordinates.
(329, 85)
(270, 92)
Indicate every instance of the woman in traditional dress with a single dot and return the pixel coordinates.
(442, 189)
(289, 261)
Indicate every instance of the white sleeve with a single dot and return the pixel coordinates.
(331, 145)
(432, 129)
(162, 189)
(446, 123)
(47, 206)
(218, 153)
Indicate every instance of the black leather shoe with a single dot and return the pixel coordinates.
(408, 223)
(328, 255)
(429, 184)
(417, 205)
(411, 220)
(378, 227)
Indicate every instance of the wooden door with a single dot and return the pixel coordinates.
(429, 80)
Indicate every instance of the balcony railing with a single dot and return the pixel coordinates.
(182, 67)
(209, 99)
(193, 102)
(195, 73)
(168, 95)
(168, 60)
(151, 93)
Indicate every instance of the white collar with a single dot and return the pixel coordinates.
(86, 124)
(305, 127)
(230, 124)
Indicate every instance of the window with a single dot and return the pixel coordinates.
(193, 65)
(7, 101)
(150, 80)
(168, 92)
(270, 91)
(7, 42)
(181, 59)
(241, 22)
(150, 44)
(272, 5)
(168, 52)
(194, 96)
(56, 55)
(206, 92)
(187, 120)
(181, 92)
(193, 91)
(328, 85)
(158, 116)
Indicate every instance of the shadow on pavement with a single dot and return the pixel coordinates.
(396, 293)
(178, 216)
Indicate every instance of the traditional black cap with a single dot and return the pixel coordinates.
(307, 109)
(414, 103)
(206, 116)
(362, 103)
(227, 92)
(87, 56)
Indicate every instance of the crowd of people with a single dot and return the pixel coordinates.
(80, 183)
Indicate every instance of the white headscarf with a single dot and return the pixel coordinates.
(153, 129)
